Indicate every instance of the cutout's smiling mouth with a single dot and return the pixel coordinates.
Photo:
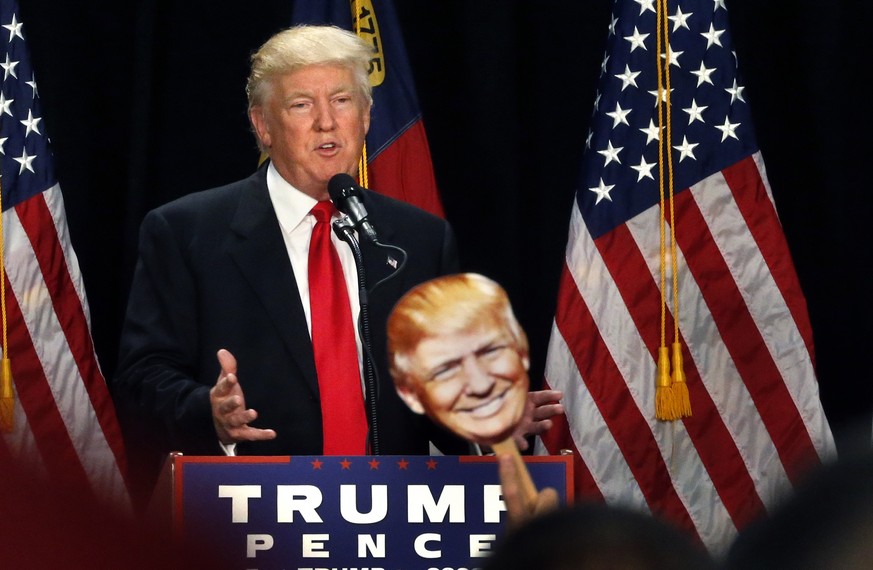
(488, 408)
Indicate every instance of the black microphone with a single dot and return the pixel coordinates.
(347, 198)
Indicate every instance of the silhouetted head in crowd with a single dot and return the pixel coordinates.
(827, 523)
(594, 536)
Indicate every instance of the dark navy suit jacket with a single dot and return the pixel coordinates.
(213, 272)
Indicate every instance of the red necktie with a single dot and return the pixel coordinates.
(344, 423)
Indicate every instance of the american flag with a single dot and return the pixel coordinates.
(64, 428)
(757, 421)
(398, 153)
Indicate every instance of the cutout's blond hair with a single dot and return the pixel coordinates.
(451, 304)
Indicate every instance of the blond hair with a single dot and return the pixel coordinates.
(304, 45)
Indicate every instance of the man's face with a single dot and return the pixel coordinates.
(474, 383)
(313, 123)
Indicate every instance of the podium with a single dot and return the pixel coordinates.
(321, 512)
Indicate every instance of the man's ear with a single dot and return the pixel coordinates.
(259, 122)
(409, 396)
(366, 118)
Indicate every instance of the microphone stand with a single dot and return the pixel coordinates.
(344, 228)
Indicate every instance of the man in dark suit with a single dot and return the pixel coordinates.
(220, 288)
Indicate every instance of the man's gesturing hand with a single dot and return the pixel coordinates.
(229, 413)
(541, 405)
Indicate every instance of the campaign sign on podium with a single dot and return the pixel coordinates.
(365, 512)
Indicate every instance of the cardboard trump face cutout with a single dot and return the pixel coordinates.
(458, 354)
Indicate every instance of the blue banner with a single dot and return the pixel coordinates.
(319, 512)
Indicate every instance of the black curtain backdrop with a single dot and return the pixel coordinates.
(144, 102)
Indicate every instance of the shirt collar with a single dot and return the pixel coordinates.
(291, 205)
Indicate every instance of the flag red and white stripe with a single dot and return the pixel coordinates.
(757, 422)
(64, 428)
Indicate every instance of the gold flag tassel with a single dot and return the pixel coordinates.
(7, 388)
(672, 400)
(7, 398)
(681, 398)
(665, 404)
(363, 178)
(664, 408)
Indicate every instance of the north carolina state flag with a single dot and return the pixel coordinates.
(398, 155)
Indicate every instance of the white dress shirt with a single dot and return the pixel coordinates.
(293, 210)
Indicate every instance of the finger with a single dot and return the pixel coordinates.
(547, 500)
(224, 385)
(508, 479)
(248, 433)
(229, 406)
(540, 397)
(539, 428)
(227, 362)
(548, 411)
(255, 434)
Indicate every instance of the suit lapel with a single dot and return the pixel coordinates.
(258, 249)
(382, 262)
